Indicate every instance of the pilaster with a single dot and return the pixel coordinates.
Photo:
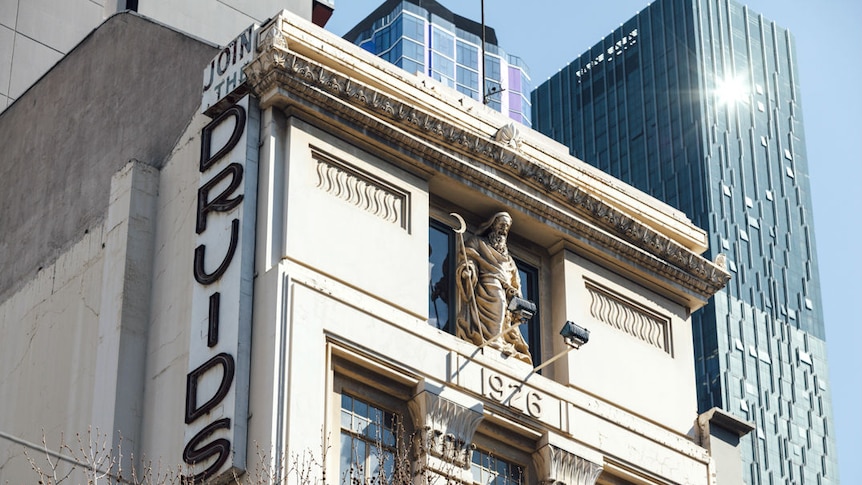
(445, 422)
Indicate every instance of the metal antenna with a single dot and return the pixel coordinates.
(482, 87)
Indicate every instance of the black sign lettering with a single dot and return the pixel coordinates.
(206, 136)
(222, 202)
(193, 412)
(201, 275)
(193, 454)
(212, 329)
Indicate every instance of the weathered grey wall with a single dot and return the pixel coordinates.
(126, 92)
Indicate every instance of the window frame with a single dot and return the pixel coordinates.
(384, 389)
(496, 437)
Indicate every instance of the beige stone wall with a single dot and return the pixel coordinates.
(356, 218)
(348, 288)
(639, 354)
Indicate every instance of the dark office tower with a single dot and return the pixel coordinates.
(422, 36)
(697, 103)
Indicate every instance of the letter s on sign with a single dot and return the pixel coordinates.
(219, 447)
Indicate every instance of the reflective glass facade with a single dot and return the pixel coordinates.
(447, 47)
(697, 103)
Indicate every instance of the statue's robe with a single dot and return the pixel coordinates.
(484, 295)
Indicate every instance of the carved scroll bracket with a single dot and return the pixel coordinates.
(556, 465)
(446, 421)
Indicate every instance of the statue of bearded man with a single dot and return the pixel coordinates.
(487, 279)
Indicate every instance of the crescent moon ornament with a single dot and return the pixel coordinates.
(463, 227)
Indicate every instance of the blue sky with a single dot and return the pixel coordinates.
(549, 34)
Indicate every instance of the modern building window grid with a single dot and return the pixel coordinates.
(457, 65)
(750, 191)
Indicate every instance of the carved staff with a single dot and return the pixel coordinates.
(468, 290)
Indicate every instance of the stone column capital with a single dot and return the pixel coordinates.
(445, 420)
(560, 461)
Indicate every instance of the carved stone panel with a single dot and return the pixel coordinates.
(361, 189)
(626, 316)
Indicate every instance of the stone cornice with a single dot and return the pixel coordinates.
(280, 76)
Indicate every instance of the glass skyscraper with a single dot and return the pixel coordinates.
(697, 103)
(422, 36)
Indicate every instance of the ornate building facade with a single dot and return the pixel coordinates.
(251, 277)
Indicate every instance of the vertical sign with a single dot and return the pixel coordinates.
(223, 77)
(217, 384)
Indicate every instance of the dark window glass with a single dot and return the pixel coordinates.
(411, 66)
(413, 50)
(441, 290)
(467, 78)
(414, 28)
(468, 55)
(492, 67)
(530, 291)
(442, 64)
(469, 92)
(441, 242)
(442, 42)
(369, 46)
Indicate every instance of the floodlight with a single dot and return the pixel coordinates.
(574, 336)
(523, 311)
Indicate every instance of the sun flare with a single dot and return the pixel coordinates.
(731, 90)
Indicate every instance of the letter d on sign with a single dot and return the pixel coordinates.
(238, 113)
(193, 412)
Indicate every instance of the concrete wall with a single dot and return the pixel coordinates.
(167, 347)
(48, 332)
(219, 21)
(116, 97)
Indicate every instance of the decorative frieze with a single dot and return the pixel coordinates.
(361, 189)
(628, 317)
